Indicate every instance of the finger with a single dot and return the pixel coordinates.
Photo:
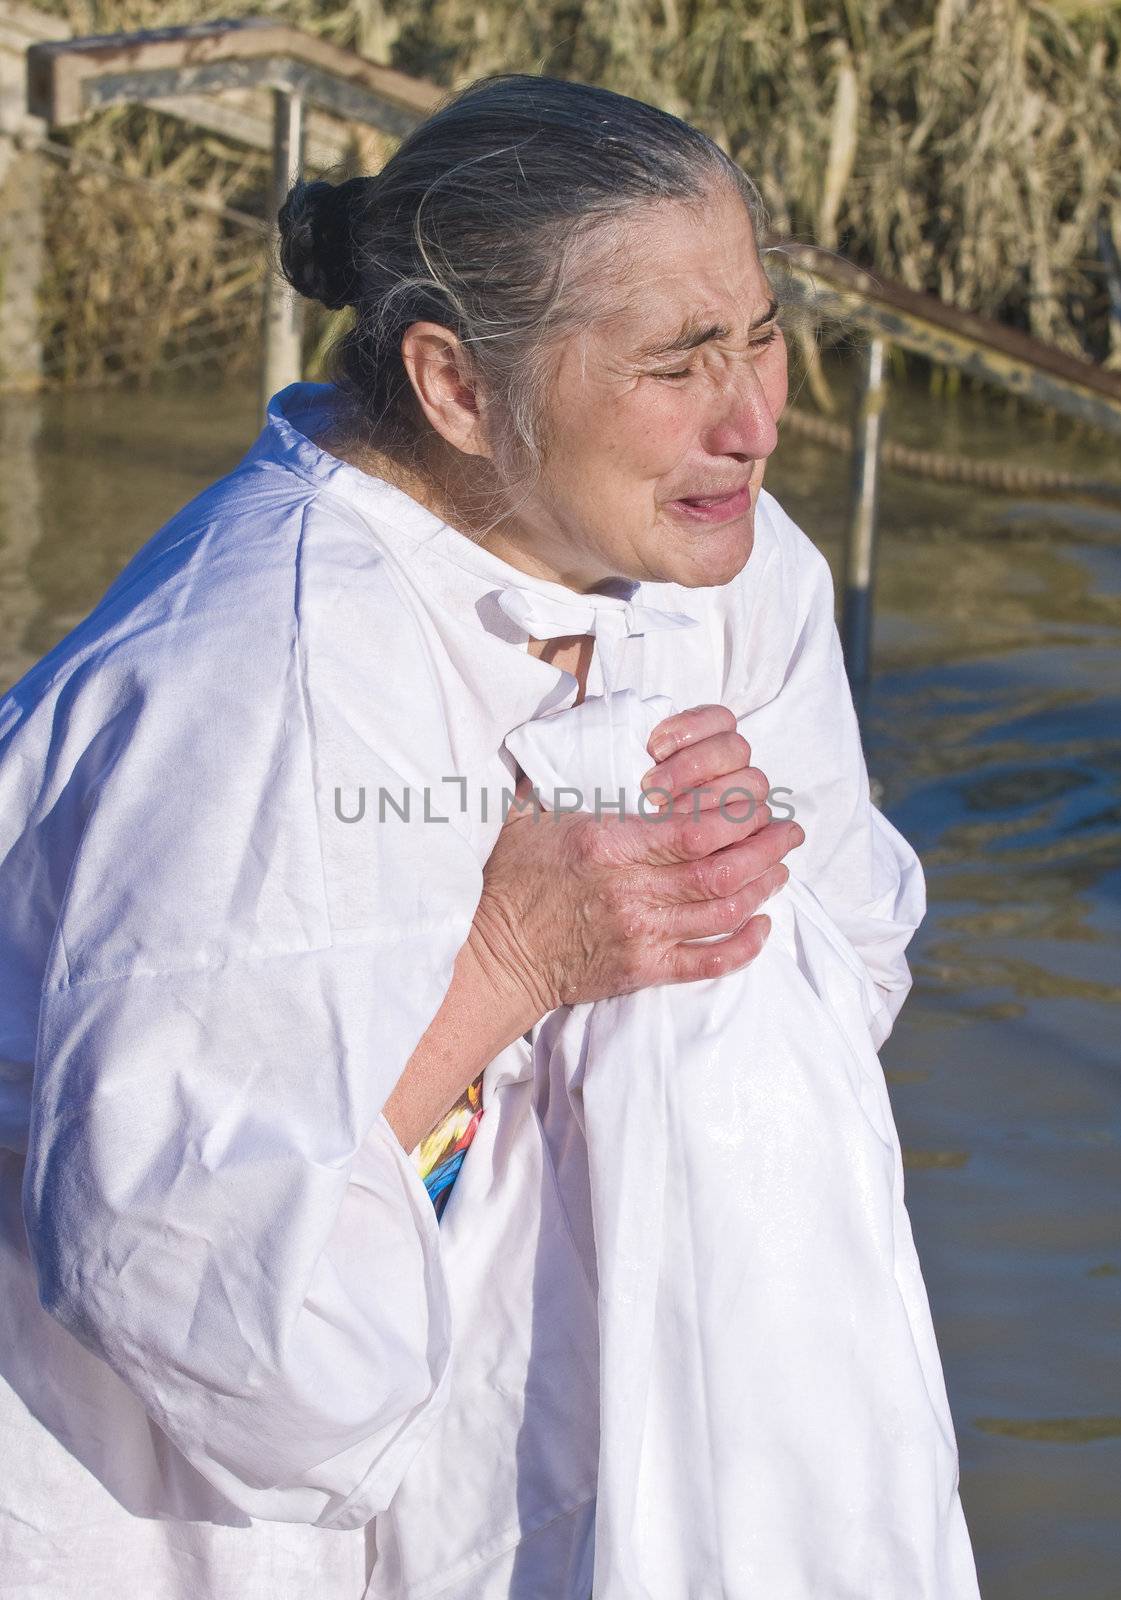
(685, 833)
(724, 872)
(701, 919)
(738, 793)
(719, 756)
(689, 962)
(738, 786)
(686, 727)
(742, 796)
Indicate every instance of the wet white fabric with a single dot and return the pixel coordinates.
(244, 810)
(768, 1363)
(548, 618)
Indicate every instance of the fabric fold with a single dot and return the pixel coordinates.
(773, 1418)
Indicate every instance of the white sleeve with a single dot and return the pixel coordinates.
(789, 688)
(244, 958)
(218, 1209)
(215, 1203)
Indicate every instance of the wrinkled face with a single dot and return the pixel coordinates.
(662, 414)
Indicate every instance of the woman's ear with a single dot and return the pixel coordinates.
(446, 386)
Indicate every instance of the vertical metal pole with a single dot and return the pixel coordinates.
(21, 530)
(860, 546)
(282, 362)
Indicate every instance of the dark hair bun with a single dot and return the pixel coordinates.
(317, 239)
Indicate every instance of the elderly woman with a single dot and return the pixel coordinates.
(283, 934)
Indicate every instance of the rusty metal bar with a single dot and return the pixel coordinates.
(66, 79)
(348, 101)
(950, 337)
(860, 544)
(283, 331)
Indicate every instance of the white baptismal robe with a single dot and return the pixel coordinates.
(773, 1417)
(259, 1367)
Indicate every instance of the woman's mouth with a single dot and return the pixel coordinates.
(716, 507)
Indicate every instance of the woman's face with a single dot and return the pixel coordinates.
(662, 414)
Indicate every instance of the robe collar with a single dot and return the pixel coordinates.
(538, 607)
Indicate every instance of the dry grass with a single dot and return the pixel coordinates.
(969, 147)
(138, 279)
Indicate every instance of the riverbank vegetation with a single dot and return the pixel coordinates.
(971, 148)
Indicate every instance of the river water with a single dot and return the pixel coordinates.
(993, 728)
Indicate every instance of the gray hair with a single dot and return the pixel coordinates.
(480, 222)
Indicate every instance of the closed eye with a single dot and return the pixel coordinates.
(761, 339)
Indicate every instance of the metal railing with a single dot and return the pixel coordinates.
(69, 79)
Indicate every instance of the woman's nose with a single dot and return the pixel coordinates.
(745, 422)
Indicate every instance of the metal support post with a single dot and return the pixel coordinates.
(860, 546)
(282, 363)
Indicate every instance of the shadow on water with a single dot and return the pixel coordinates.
(993, 726)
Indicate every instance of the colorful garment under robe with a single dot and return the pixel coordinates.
(439, 1155)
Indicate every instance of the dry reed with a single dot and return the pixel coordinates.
(967, 147)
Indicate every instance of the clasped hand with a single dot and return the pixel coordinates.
(603, 905)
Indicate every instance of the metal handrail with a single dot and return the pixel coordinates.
(951, 337)
(67, 79)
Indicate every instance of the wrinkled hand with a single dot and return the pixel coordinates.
(576, 907)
